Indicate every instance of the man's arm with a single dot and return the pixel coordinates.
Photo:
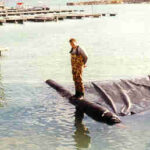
(84, 55)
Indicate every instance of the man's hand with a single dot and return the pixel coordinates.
(85, 66)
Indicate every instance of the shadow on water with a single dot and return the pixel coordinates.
(81, 135)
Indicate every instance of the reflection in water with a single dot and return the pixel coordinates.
(2, 94)
(81, 137)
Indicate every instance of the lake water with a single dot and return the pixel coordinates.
(34, 117)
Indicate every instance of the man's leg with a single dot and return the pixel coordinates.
(79, 87)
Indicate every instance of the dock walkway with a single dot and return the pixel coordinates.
(23, 15)
(33, 12)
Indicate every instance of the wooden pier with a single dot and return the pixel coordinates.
(41, 19)
(61, 17)
(19, 16)
(48, 18)
(4, 13)
(19, 20)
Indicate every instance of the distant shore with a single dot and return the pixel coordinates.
(108, 2)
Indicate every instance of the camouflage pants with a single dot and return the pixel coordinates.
(77, 70)
(77, 77)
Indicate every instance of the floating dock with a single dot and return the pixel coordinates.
(19, 20)
(19, 16)
(4, 13)
(48, 18)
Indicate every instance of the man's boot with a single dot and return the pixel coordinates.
(81, 96)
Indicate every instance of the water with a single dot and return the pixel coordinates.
(33, 116)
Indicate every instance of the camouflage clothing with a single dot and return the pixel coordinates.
(78, 60)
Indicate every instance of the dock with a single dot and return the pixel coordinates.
(41, 19)
(18, 20)
(4, 13)
(19, 16)
(49, 18)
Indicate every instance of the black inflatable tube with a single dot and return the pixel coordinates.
(97, 112)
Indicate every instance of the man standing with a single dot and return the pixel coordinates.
(78, 61)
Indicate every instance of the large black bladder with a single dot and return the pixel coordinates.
(96, 112)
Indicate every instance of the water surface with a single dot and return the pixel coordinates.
(33, 116)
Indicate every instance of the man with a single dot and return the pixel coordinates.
(78, 62)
